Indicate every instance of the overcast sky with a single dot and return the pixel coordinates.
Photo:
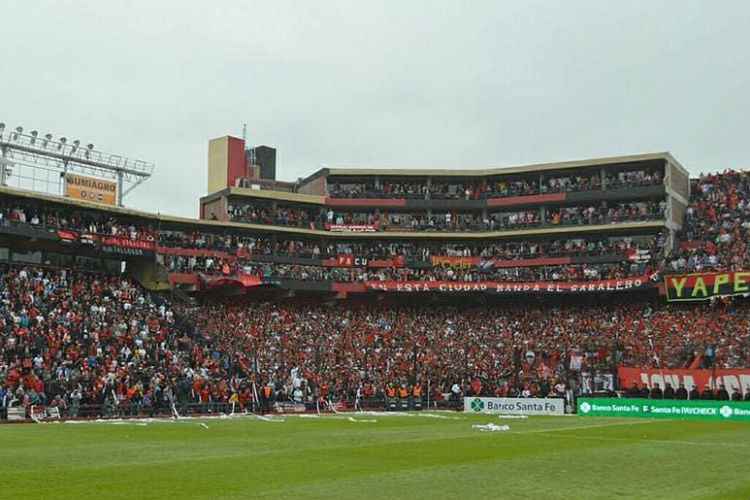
(394, 84)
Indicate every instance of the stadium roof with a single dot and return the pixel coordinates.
(520, 169)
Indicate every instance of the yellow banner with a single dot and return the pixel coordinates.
(84, 188)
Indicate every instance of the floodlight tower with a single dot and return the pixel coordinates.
(31, 159)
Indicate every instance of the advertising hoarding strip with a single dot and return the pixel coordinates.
(666, 409)
(515, 406)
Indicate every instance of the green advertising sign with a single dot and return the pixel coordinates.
(656, 408)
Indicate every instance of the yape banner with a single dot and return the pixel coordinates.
(515, 406)
(731, 378)
(503, 287)
(703, 286)
(664, 408)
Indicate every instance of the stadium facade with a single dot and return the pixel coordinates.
(571, 227)
(574, 227)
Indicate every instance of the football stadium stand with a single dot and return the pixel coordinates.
(536, 281)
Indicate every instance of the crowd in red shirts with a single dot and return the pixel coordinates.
(715, 234)
(95, 345)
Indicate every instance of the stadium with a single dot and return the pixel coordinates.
(365, 314)
(378, 250)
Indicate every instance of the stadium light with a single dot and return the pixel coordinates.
(42, 152)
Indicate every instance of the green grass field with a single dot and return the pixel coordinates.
(392, 457)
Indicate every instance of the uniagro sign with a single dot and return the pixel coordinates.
(664, 408)
(85, 188)
(515, 406)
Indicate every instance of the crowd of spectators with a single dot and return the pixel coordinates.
(90, 344)
(560, 273)
(34, 214)
(493, 187)
(382, 220)
(715, 232)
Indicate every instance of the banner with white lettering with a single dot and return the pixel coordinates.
(505, 287)
(515, 406)
(731, 378)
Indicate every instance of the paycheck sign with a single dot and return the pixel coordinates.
(515, 406)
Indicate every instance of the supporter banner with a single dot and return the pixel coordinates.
(500, 287)
(515, 406)
(664, 408)
(731, 378)
(195, 252)
(351, 261)
(345, 260)
(345, 228)
(704, 286)
(67, 236)
(456, 262)
(85, 188)
(244, 280)
(125, 246)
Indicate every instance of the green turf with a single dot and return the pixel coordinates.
(395, 457)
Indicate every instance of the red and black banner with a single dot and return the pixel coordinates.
(346, 260)
(126, 247)
(731, 378)
(508, 288)
(242, 280)
(705, 286)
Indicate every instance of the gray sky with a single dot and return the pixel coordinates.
(393, 84)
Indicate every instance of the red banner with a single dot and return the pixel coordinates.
(348, 228)
(242, 279)
(195, 252)
(503, 287)
(354, 261)
(117, 241)
(67, 236)
(731, 378)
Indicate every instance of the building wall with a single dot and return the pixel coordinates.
(215, 210)
(316, 187)
(218, 159)
(226, 162)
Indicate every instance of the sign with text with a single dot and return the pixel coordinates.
(85, 188)
(704, 286)
(664, 408)
(501, 287)
(515, 406)
(119, 245)
(730, 378)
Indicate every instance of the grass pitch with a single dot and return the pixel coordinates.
(384, 457)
